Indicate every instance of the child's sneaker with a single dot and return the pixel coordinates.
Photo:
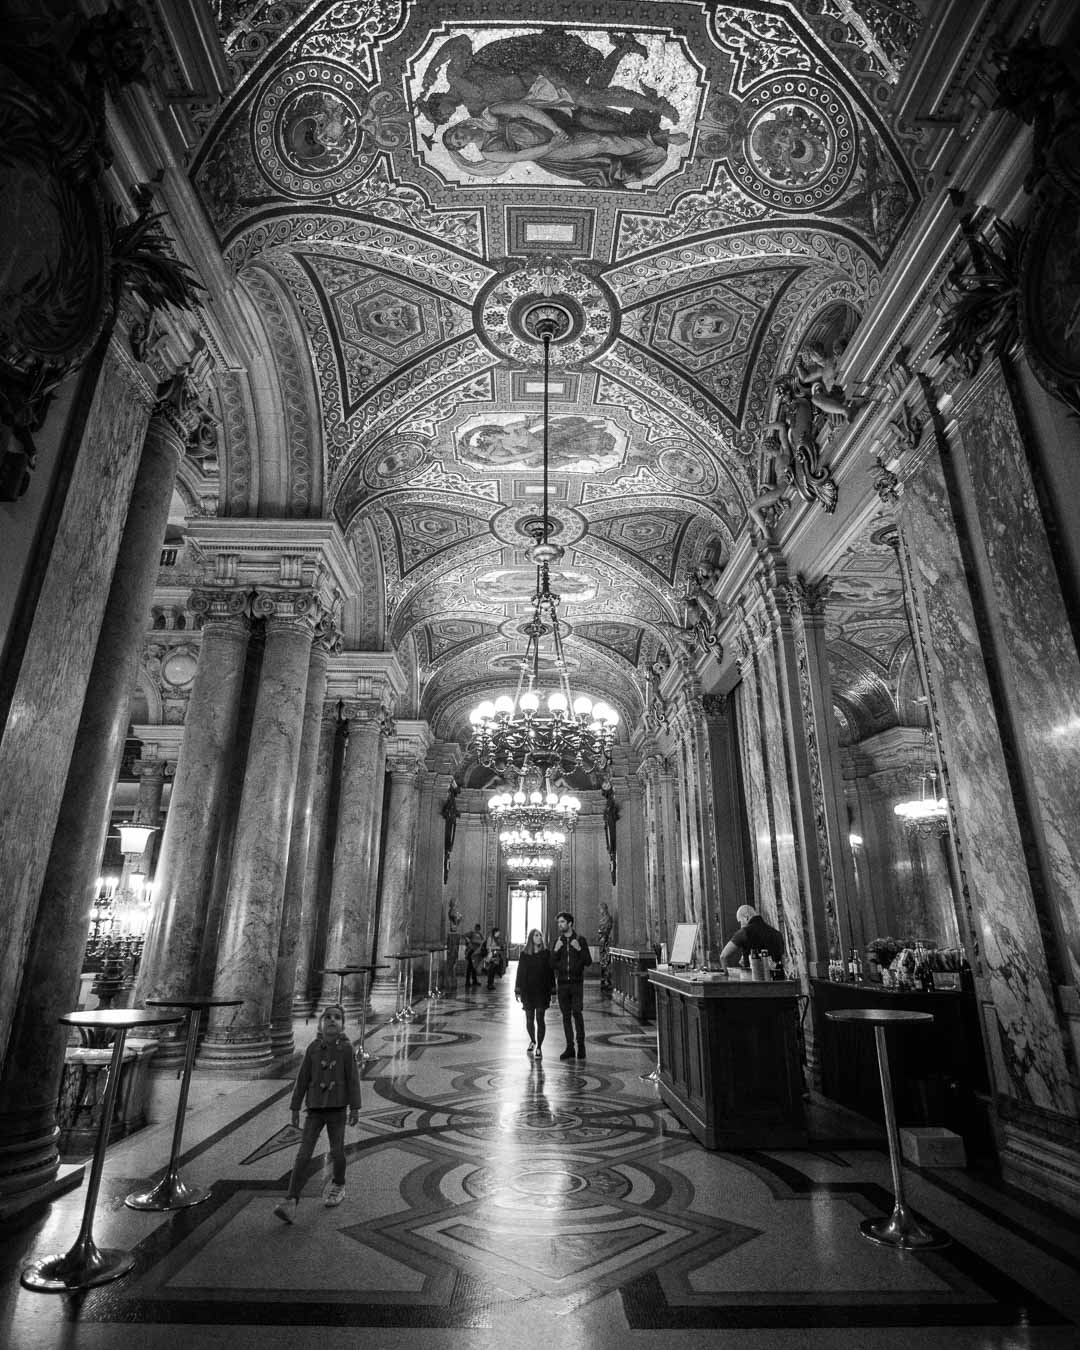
(285, 1209)
(334, 1195)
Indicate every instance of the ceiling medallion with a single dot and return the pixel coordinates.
(799, 145)
(576, 309)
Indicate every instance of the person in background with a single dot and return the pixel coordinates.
(474, 941)
(753, 935)
(569, 958)
(532, 989)
(329, 1085)
(493, 954)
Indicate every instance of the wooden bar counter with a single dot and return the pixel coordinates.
(729, 1059)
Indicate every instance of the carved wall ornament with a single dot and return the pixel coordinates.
(806, 597)
(979, 302)
(907, 426)
(886, 483)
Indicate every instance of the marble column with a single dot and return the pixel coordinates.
(281, 1015)
(34, 1064)
(310, 950)
(173, 947)
(239, 1038)
(350, 924)
(629, 895)
(37, 736)
(395, 897)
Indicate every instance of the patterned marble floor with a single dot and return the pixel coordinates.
(496, 1201)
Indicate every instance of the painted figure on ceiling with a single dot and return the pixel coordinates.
(575, 445)
(507, 69)
(597, 149)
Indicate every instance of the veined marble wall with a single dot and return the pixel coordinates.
(1044, 672)
(1025, 1041)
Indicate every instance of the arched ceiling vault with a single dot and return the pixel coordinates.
(696, 188)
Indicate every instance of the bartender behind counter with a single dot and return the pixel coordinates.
(755, 935)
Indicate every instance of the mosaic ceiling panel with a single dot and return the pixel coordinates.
(689, 185)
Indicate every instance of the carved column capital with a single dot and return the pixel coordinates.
(805, 598)
(226, 607)
(284, 609)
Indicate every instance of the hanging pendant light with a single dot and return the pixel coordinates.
(928, 813)
(512, 735)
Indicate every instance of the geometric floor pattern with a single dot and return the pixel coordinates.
(496, 1200)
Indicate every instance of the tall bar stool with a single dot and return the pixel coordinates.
(404, 1011)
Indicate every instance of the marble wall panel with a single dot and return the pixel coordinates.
(1034, 627)
(789, 905)
(1027, 1046)
(48, 695)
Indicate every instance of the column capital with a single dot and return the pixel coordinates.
(229, 606)
(363, 712)
(285, 609)
(805, 598)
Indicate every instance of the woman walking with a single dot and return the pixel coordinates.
(533, 988)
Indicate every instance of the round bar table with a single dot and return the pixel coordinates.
(367, 971)
(85, 1264)
(900, 1229)
(170, 1192)
(404, 982)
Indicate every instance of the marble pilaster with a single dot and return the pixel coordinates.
(281, 1013)
(171, 954)
(351, 917)
(34, 1064)
(631, 890)
(649, 777)
(698, 810)
(833, 916)
(732, 864)
(1023, 1033)
(247, 951)
(38, 735)
(311, 939)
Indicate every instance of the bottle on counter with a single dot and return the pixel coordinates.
(855, 966)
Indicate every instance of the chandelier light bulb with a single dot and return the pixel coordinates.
(504, 706)
(582, 706)
(529, 702)
(557, 702)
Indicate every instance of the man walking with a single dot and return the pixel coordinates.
(569, 957)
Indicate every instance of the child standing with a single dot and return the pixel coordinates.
(329, 1084)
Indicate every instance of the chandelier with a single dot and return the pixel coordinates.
(530, 862)
(928, 813)
(511, 734)
(546, 841)
(535, 805)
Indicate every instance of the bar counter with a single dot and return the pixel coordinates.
(729, 1058)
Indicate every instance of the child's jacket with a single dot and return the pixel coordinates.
(328, 1077)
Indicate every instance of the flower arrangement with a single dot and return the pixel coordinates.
(884, 951)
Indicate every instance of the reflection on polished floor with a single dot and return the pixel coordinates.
(496, 1201)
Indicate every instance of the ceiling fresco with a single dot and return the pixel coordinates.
(698, 188)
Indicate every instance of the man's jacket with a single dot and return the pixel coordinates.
(569, 965)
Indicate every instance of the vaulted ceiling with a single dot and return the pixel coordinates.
(697, 188)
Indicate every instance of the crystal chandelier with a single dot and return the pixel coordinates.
(511, 734)
(535, 805)
(530, 862)
(926, 814)
(546, 841)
